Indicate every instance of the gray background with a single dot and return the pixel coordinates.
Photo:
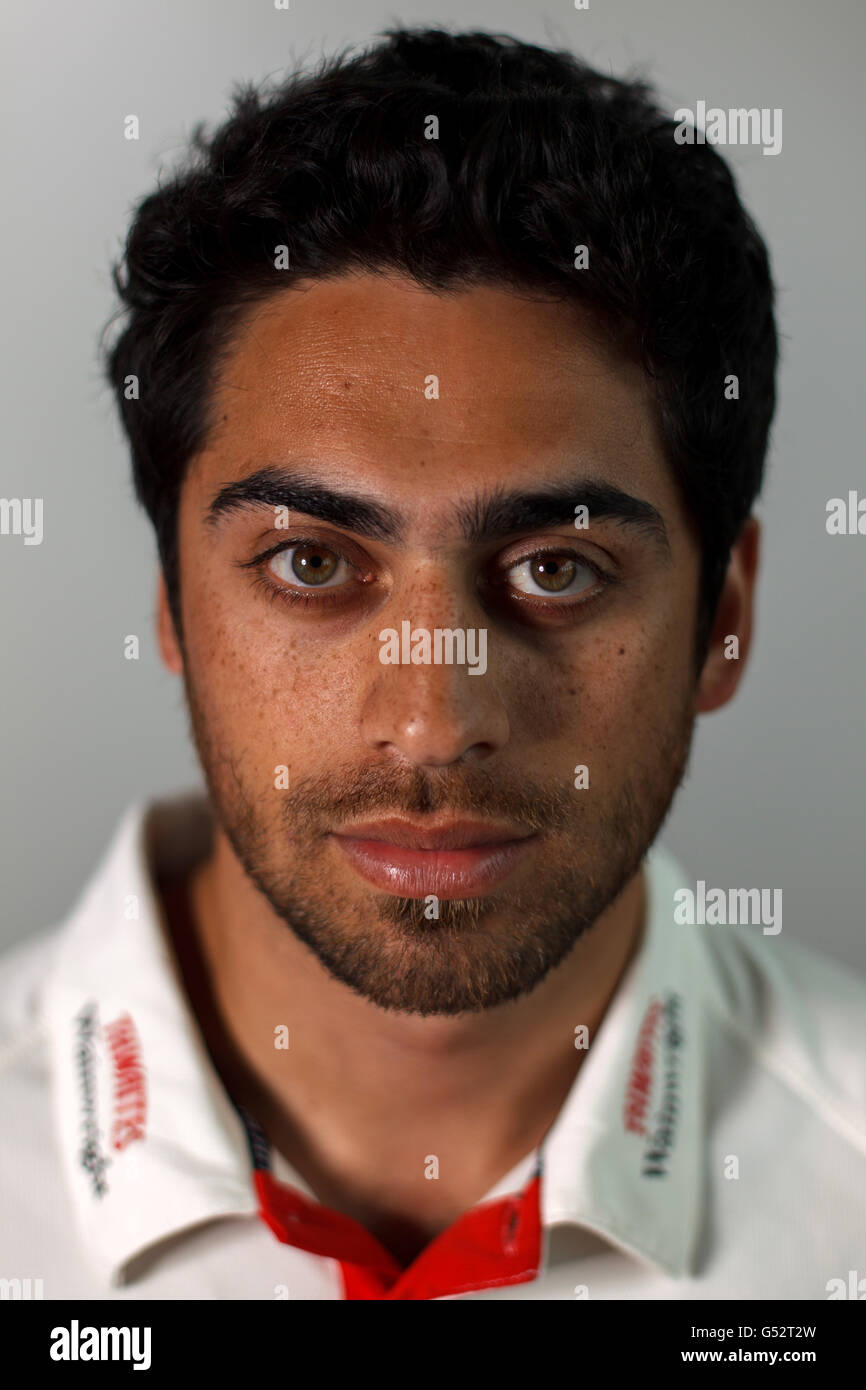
(775, 795)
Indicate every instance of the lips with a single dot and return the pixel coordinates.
(446, 859)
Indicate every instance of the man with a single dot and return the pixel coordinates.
(448, 374)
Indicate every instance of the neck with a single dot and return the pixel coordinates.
(362, 1096)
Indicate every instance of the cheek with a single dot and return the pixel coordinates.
(261, 683)
(606, 696)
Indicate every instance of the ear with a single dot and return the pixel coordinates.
(169, 647)
(722, 670)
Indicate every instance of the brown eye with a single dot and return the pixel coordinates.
(548, 575)
(310, 566)
(313, 564)
(553, 573)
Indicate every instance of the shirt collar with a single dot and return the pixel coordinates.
(625, 1154)
(153, 1145)
(150, 1140)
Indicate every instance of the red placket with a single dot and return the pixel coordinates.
(492, 1245)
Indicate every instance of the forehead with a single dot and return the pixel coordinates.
(429, 397)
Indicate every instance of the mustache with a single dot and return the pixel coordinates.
(351, 793)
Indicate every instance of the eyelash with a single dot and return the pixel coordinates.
(323, 598)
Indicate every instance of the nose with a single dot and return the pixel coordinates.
(433, 712)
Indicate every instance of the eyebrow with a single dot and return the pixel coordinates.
(275, 486)
(481, 519)
(491, 517)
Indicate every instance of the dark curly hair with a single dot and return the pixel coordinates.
(537, 152)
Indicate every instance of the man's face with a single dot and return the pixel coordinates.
(423, 437)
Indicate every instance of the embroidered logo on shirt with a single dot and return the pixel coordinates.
(639, 1089)
(660, 1025)
(130, 1095)
(90, 1155)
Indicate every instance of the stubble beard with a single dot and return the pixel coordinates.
(479, 952)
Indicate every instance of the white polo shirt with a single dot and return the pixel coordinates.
(713, 1144)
